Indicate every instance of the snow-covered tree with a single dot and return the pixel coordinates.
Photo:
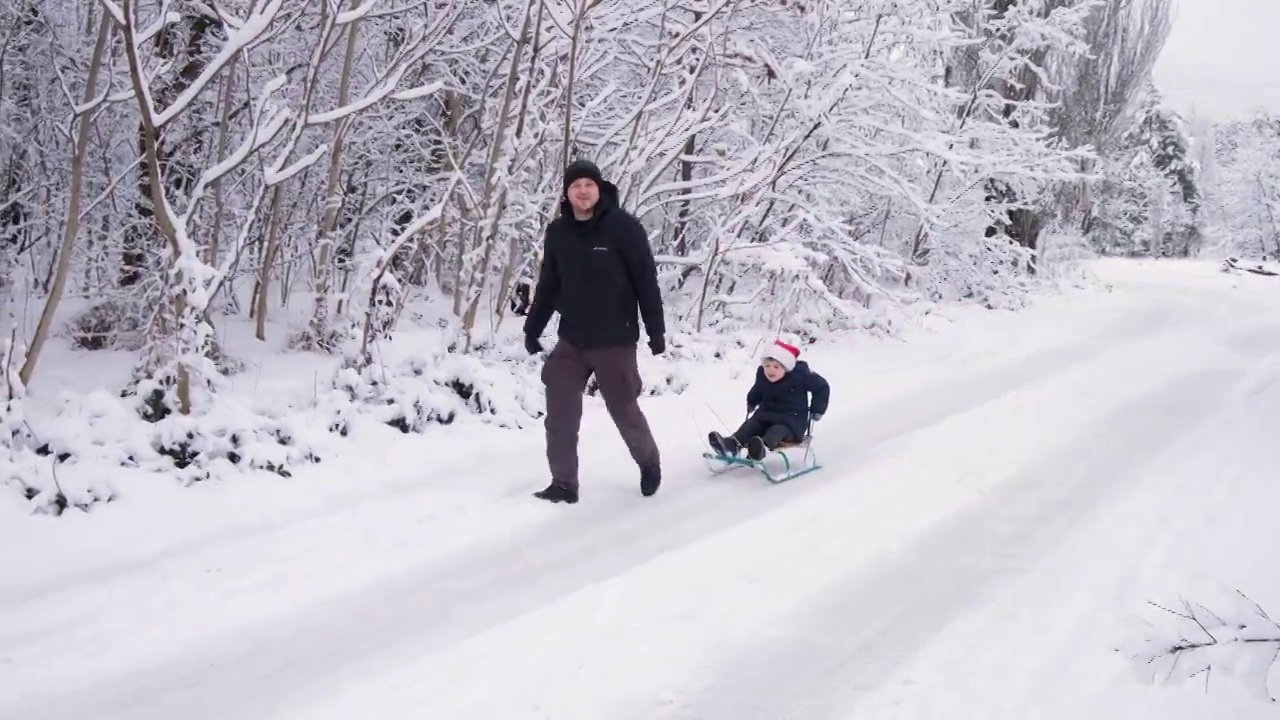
(821, 153)
(1149, 200)
(336, 170)
(1100, 93)
(1244, 197)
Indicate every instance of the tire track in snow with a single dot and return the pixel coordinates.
(1155, 317)
(600, 543)
(245, 533)
(853, 638)
(441, 603)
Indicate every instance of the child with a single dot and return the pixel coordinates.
(778, 404)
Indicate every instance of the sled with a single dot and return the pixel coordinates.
(787, 462)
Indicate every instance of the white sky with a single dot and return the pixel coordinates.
(1222, 59)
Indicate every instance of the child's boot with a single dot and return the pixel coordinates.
(756, 449)
(716, 441)
(724, 446)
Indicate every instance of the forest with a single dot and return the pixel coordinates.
(184, 181)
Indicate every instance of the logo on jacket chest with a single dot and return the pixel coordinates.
(599, 263)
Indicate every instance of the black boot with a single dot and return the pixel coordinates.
(716, 441)
(723, 446)
(756, 449)
(650, 479)
(557, 493)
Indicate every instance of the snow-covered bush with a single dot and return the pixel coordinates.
(83, 453)
(30, 467)
(419, 380)
(420, 392)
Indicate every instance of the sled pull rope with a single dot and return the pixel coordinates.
(703, 398)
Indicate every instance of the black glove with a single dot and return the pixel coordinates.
(532, 344)
(815, 417)
(657, 345)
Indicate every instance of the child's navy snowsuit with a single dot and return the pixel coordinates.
(780, 410)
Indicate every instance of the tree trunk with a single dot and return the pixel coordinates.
(319, 335)
(72, 227)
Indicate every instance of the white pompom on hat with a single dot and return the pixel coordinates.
(784, 354)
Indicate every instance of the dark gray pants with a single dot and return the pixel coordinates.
(773, 434)
(565, 374)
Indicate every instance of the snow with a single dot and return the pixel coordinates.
(349, 16)
(275, 176)
(375, 96)
(1002, 494)
(116, 13)
(419, 92)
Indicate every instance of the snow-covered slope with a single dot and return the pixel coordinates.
(1000, 499)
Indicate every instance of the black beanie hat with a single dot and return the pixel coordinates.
(579, 169)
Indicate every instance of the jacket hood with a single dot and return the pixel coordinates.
(608, 199)
(586, 169)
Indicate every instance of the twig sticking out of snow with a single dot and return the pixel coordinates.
(1242, 642)
(1232, 264)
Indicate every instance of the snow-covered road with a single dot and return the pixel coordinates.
(982, 525)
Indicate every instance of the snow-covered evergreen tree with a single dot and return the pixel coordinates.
(1149, 199)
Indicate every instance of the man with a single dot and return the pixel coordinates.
(597, 270)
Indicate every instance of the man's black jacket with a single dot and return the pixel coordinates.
(596, 273)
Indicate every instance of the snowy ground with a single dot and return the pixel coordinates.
(1000, 498)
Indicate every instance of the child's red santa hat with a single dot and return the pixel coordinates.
(785, 355)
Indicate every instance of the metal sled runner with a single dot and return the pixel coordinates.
(788, 462)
